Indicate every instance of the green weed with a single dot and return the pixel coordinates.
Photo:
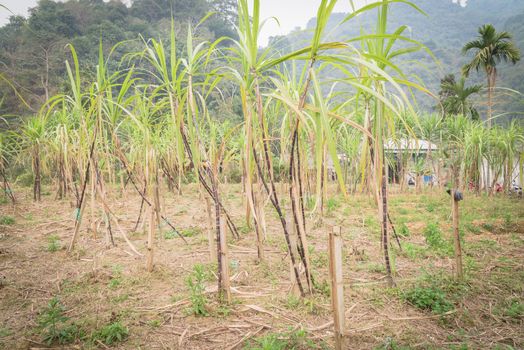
(111, 333)
(391, 344)
(513, 309)
(295, 340)
(7, 220)
(170, 234)
(413, 251)
(434, 239)
(53, 243)
(404, 230)
(429, 298)
(195, 283)
(54, 326)
(332, 204)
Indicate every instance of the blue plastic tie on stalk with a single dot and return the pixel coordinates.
(76, 214)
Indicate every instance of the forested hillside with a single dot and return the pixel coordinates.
(32, 50)
(444, 29)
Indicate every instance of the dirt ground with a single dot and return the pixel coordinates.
(98, 285)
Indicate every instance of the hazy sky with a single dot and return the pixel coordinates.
(290, 13)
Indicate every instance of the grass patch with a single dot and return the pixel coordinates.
(512, 309)
(434, 239)
(7, 220)
(296, 340)
(413, 251)
(53, 243)
(111, 333)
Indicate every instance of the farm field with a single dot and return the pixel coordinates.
(100, 297)
(172, 177)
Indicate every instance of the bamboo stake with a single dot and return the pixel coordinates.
(337, 287)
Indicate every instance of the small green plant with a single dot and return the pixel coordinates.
(472, 228)
(116, 279)
(54, 326)
(244, 228)
(430, 207)
(111, 333)
(53, 243)
(413, 251)
(513, 309)
(191, 232)
(4, 332)
(508, 220)
(435, 241)
(391, 344)
(170, 234)
(332, 204)
(322, 287)
(318, 259)
(404, 230)
(403, 211)
(292, 302)
(154, 323)
(488, 226)
(195, 283)
(7, 220)
(293, 340)
(429, 298)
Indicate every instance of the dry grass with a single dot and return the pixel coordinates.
(98, 286)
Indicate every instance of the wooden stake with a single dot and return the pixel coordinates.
(337, 289)
(456, 236)
(226, 283)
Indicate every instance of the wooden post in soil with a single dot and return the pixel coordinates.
(455, 197)
(225, 288)
(210, 236)
(337, 289)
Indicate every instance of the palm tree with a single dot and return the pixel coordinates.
(454, 96)
(490, 48)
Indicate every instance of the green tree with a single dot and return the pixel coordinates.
(490, 48)
(454, 96)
